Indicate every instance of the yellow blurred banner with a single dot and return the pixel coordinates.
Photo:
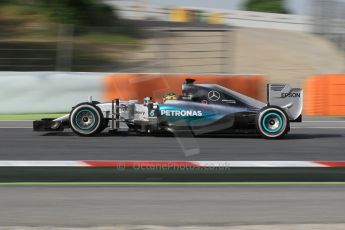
(180, 15)
(189, 15)
(216, 18)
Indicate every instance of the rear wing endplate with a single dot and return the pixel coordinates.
(287, 98)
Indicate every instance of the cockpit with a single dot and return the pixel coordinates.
(215, 94)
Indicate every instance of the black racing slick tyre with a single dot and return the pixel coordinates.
(272, 122)
(86, 119)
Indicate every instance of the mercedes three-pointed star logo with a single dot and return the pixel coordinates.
(213, 95)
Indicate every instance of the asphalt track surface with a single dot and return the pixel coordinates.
(170, 205)
(314, 139)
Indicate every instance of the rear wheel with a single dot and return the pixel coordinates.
(86, 120)
(272, 123)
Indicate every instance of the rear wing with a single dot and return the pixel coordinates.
(287, 98)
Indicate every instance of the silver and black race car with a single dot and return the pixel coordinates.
(201, 109)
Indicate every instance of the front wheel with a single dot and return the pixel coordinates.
(272, 123)
(86, 119)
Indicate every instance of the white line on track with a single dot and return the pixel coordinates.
(18, 120)
(317, 127)
(323, 121)
(15, 127)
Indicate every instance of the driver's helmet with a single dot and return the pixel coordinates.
(169, 96)
(147, 100)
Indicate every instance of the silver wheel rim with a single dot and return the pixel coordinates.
(273, 127)
(85, 119)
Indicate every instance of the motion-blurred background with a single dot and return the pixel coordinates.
(280, 41)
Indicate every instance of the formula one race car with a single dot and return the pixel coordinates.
(201, 109)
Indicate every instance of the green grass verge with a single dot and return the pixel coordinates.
(7, 117)
(108, 39)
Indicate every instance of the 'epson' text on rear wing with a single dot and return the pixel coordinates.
(287, 98)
